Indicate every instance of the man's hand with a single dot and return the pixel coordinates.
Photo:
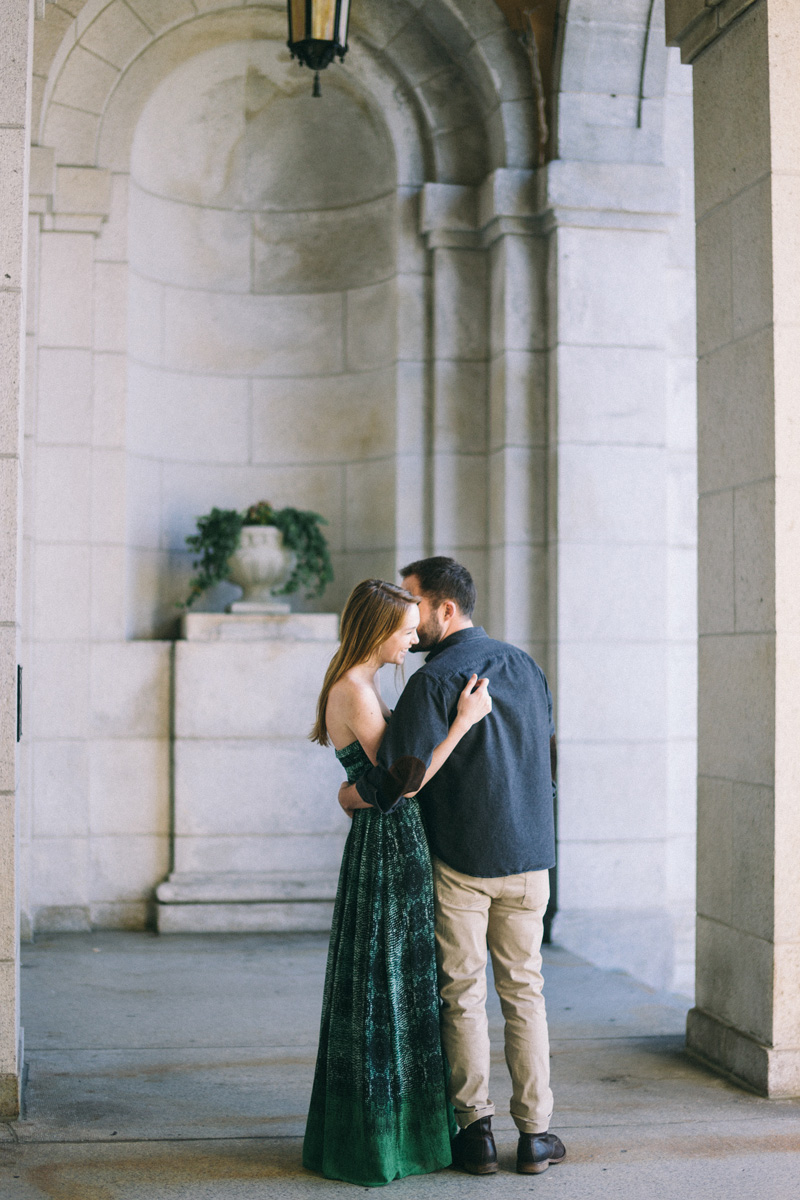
(350, 799)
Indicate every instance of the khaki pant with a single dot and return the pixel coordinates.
(507, 913)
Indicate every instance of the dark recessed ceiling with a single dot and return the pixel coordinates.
(535, 22)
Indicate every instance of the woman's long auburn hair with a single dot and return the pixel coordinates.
(373, 612)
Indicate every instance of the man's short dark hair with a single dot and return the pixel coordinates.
(441, 579)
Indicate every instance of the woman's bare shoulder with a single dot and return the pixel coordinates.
(352, 693)
(349, 685)
(354, 712)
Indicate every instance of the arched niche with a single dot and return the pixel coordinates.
(449, 88)
(262, 250)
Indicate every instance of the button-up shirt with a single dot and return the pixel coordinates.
(489, 809)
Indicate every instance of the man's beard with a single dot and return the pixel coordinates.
(429, 633)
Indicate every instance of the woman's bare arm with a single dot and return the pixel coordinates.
(360, 709)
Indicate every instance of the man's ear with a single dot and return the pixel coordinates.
(449, 610)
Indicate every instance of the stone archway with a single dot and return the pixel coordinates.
(461, 352)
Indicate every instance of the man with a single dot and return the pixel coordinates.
(489, 817)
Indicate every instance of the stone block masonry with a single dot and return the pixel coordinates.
(258, 833)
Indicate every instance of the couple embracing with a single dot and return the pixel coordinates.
(451, 797)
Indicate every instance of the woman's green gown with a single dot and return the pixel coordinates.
(378, 1108)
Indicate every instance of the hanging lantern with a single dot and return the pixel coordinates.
(318, 33)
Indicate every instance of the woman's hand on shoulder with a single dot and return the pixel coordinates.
(474, 703)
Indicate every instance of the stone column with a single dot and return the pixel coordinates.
(16, 21)
(609, 552)
(747, 163)
(517, 426)
(457, 432)
(488, 423)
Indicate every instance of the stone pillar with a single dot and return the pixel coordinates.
(488, 425)
(747, 164)
(517, 426)
(16, 21)
(457, 433)
(412, 285)
(609, 553)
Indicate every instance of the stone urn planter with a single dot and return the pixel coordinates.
(264, 550)
(259, 566)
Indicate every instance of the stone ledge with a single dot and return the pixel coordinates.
(260, 627)
(767, 1070)
(614, 188)
(525, 202)
(301, 917)
(242, 902)
(70, 199)
(256, 887)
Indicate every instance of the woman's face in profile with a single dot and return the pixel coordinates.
(396, 647)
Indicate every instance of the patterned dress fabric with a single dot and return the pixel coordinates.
(378, 1108)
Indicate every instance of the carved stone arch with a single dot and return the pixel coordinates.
(458, 64)
(385, 92)
(611, 77)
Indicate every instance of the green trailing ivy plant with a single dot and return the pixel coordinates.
(219, 533)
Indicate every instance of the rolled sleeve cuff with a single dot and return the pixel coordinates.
(384, 787)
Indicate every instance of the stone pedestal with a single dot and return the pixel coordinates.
(258, 833)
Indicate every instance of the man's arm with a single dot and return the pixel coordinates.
(404, 777)
(350, 800)
(419, 723)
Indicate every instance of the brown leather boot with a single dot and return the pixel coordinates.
(474, 1149)
(535, 1152)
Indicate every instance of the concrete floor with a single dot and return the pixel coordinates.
(180, 1068)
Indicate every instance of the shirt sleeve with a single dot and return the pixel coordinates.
(419, 723)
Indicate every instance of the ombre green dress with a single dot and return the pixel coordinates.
(379, 1109)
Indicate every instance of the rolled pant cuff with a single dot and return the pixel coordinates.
(525, 1126)
(469, 1116)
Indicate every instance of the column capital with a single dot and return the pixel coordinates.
(473, 217)
(531, 202)
(448, 216)
(72, 199)
(607, 195)
(695, 24)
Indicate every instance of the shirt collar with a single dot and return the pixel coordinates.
(455, 639)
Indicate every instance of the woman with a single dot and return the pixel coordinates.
(378, 1108)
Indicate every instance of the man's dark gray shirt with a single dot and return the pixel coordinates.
(489, 809)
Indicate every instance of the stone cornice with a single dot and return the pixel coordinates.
(72, 199)
(598, 195)
(695, 24)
